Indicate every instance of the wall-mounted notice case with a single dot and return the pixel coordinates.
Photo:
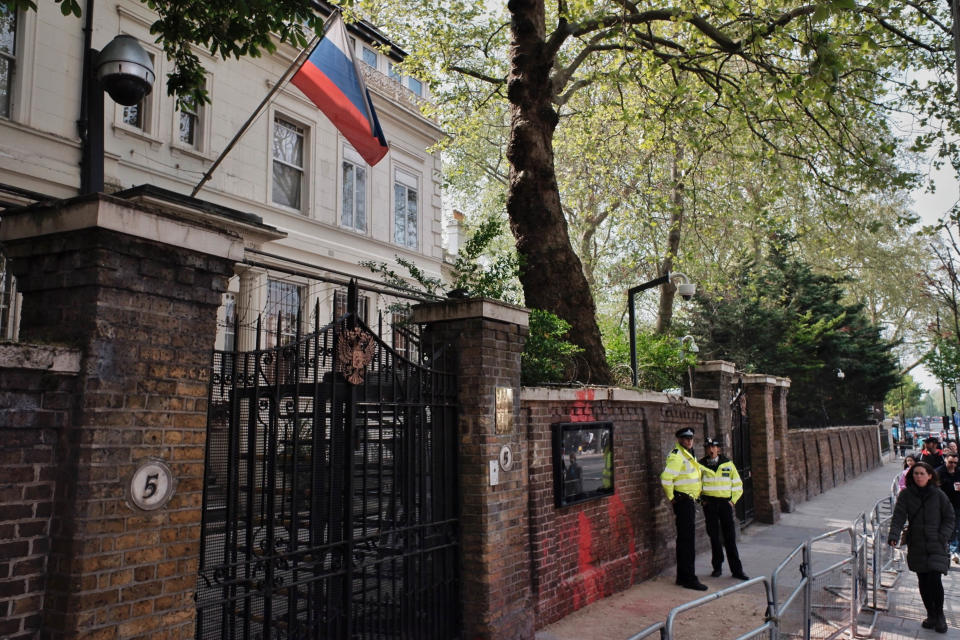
(582, 461)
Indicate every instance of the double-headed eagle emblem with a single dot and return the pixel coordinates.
(354, 352)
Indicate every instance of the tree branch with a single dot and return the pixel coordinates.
(477, 75)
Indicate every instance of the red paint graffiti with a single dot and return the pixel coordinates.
(582, 408)
(592, 581)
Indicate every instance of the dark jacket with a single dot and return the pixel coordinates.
(931, 525)
(947, 481)
(934, 459)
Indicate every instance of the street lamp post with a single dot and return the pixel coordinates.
(685, 288)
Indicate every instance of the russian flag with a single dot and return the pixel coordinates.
(330, 78)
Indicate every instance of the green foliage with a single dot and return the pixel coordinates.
(662, 360)
(547, 357)
(427, 284)
(781, 318)
(775, 110)
(943, 360)
(482, 270)
(906, 398)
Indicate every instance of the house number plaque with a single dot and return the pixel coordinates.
(151, 485)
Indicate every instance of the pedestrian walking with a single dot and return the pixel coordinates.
(681, 482)
(949, 478)
(931, 452)
(900, 482)
(722, 487)
(929, 516)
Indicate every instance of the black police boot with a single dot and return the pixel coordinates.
(716, 573)
(694, 584)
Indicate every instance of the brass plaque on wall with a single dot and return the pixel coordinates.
(504, 410)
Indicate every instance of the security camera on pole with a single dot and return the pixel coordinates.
(122, 69)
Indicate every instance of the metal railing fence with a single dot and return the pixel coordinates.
(821, 588)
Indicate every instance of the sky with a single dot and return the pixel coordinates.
(930, 207)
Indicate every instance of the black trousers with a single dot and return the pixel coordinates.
(685, 510)
(931, 592)
(721, 527)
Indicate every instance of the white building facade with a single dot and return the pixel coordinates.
(292, 168)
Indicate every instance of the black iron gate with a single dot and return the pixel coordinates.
(329, 506)
(741, 453)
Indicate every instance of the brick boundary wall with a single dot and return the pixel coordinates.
(820, 459)
(36, 391)
(589, 550)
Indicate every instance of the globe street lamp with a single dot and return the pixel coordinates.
(685, 289)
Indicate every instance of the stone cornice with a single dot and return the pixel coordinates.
(147, 217)
(716, 365)
(447, 310)
(611, 394)
(48, 358)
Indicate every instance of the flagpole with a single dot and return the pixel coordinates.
(266, 100)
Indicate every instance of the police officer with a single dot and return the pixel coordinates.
(681, 482)
(722, 488)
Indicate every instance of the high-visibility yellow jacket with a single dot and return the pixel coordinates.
(681, 473)
(722, 482)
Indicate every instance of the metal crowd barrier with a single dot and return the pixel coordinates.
(792, 613)
(768, 626)
(648, 632)
(820, 588)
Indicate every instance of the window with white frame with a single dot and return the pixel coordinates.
(400, 323)
(393, 73)
(8, 59)
(190, 123)
(369, 56)
(340, 305)
(138, 116)
(415, 86)
(229, 321)
(353, 213)
(281, 312)
(406, 205)
(288, 170)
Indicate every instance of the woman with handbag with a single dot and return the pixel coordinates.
(928, 514)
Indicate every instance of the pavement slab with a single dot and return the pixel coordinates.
(762, 548)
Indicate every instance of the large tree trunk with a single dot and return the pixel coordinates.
(551, 273)
(669, 291)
